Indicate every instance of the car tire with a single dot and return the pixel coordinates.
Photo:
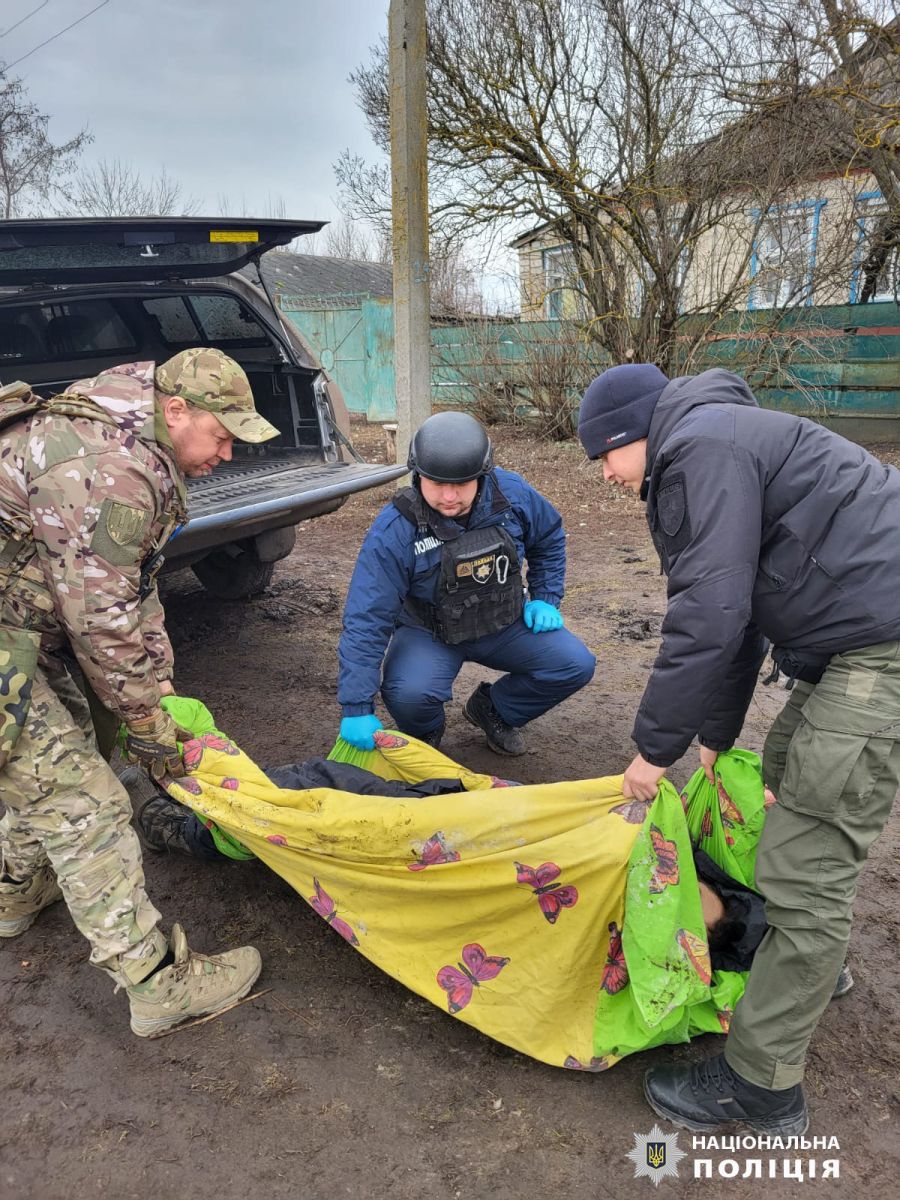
(233, 576)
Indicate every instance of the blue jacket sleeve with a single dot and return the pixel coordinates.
(379, 585)
(708, 655)
(545, 543)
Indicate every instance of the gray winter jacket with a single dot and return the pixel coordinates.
(768, 526)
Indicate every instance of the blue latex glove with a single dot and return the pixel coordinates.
(358, 730)
(540, 616)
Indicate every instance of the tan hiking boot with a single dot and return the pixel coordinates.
(20, 903)
(193, 986)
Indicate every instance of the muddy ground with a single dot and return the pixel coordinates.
(338, 1082)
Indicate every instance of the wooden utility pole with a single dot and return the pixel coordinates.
(409, 203)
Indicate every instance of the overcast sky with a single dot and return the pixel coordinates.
(247, 100)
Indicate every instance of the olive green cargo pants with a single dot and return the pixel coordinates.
(832, 757)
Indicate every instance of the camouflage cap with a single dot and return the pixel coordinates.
(211, 380)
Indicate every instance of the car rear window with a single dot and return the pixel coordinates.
(59, 331)
(205, 319)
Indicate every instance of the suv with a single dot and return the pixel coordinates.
(79, 296)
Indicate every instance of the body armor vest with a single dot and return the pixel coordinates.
(480, 587)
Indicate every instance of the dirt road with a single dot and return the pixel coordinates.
(338, 1082)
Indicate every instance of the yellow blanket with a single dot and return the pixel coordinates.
(501, 904)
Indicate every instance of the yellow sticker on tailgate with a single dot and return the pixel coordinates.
(233, 235)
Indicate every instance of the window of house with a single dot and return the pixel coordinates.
(558, 272)
(871, 212)
(784, 255)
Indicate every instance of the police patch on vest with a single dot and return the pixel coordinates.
(484, 569)
(423, 545)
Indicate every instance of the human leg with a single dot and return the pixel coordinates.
(67, 811)
(543, 669)
(65, 807)
(778, 739)
(840, 778)
(417, 680)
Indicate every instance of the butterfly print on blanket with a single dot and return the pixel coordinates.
(324, 906)
(731, 814)
(434, 851)
(601, 1063)
(193, 750)
(665, 873)
(477, 967)
(388, 741)
(552, 897)
(696, 951)
(633, 811)
(615, 970)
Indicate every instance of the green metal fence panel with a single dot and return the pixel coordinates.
(378, 337)
(335, 333)
(842, 360)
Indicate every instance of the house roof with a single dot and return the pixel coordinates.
(316, 275)
(530, 234)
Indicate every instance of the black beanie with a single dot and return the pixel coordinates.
(618, 406)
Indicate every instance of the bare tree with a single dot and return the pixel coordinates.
(843, 58)
(114, 188)
(34, 171)
(515, 372)
(455, 289)
(606, 124)
(276, 209)
(350, 239)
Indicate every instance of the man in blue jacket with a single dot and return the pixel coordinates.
(438, 582)
(768, 526)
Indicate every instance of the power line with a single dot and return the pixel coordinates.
(24, 19)
(9, 66)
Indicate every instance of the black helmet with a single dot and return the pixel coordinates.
(450, 447)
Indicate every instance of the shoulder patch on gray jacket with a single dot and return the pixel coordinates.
(671, 505)
(672, 513)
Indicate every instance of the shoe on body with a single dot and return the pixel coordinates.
(502, 738)
(706, 1095)
(844, 983)
(21, 902)
(160, 820)
(434, 738)
(194, 985)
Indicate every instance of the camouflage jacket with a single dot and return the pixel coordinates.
(88, 493)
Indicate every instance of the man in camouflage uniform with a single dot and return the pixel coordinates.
(91, 489)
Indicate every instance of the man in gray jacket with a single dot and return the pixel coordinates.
(768, 526)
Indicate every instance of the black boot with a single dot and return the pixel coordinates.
(502, 738)
(706, 1095)
(434, 738)
(165, 825)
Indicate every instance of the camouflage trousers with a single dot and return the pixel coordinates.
(65, 806)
